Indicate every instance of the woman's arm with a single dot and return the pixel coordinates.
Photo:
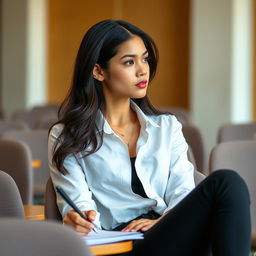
(181, 178)
(75, 186)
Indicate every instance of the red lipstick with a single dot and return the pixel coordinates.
(142, 84)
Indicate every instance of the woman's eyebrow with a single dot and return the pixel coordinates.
(132, 55)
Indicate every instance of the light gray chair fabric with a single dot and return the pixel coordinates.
(37, 141)
(230, 132)
(198, 177)
(27, 238)
(46, 121)
(27, 116)
(47, 108)
(7, 125)
(32, 116)
(15, 159)
(191, 157)
(195, 141)
(10, 199)
(239, 156)
(182, 114)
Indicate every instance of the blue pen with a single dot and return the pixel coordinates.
(63, 194)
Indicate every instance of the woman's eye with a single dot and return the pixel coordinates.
(146, 59)
(129, 62)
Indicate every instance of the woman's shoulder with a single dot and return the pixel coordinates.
(162, 119)
(56, 130)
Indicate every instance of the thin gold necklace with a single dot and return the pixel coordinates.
(122, 134)
(118, 132)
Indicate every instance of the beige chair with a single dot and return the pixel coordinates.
(37, 141)
(27, 238)
(241, 157)
(15, 159)
(32, 116)
(46, 121)
(8, 125)
(195, 141)
(51, 210)
(191, 157)
(198, 177)
(230, 132)
(10, 199)
(46, 108)
(182, 114)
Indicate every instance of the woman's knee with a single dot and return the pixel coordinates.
(230, 178)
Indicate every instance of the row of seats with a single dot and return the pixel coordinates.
(38, 117)
(34, 138)
(192, 133)
(237, 155)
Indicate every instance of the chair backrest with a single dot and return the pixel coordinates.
(46, 121)
(15, 159)
(37, 141)
(241, 157)
(231, 132)
(182, 114)
(195, 141)
(198, 177)
(7, 125)
(24, 238)
(47, 108)
(191, 157)
(32, 116)
(10, 200)
(51, 210)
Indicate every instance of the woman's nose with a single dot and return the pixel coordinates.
(142, 71)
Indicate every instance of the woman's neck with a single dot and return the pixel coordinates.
(119, 113)
(124, 122)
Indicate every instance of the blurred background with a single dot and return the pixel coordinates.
(207, 57)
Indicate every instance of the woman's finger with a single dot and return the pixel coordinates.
(142, 224)
(135, 225)
(79, 224)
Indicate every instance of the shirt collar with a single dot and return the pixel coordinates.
(144, 120)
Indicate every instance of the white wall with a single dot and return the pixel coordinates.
(23, 54)
(14, 52)
(241, 75)
(220, 64)
(37, 52)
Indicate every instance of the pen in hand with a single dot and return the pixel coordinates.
(63, 194)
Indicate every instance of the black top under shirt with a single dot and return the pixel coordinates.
(137, 187)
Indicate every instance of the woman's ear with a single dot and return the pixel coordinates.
(98, 73)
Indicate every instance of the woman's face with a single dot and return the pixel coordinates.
(127, 74)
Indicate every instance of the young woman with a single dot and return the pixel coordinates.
(125, 164)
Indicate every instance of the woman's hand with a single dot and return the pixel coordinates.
(80, 225)
(141, 224)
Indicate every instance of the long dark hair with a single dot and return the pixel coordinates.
(79, 109)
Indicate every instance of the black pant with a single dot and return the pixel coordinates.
(215, 217)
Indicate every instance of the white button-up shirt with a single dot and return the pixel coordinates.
(102, 181)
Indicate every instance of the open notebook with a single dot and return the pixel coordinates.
(105, 237)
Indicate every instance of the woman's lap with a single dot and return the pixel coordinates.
(211, 212)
